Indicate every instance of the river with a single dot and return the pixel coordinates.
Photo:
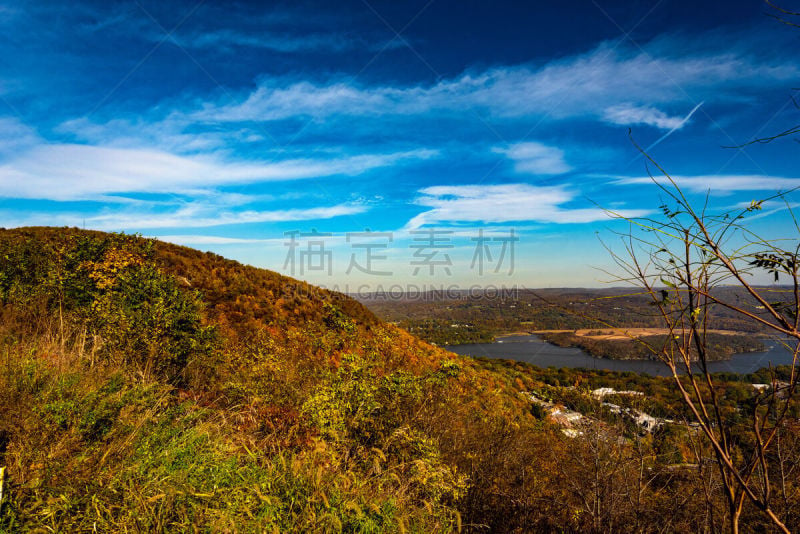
(532, 349)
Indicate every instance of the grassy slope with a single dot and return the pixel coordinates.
(309, 414)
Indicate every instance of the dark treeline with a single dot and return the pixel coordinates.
(719, 346)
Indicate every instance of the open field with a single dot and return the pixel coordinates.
(623, 334)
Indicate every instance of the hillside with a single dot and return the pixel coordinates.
(146, 387)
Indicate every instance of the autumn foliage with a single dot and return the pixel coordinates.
(146, 387)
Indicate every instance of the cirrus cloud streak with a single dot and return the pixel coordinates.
(74, 172)
(505, 203)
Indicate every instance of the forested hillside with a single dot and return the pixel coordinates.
(146, 387)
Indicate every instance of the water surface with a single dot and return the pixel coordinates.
(534, 350)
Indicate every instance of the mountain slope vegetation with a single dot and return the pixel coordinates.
(146, 387)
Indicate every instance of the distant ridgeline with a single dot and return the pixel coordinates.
(476, 318)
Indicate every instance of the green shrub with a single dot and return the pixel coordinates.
(108, 288)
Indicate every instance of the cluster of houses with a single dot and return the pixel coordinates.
(572, 423)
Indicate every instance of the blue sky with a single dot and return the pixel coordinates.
(223, 127)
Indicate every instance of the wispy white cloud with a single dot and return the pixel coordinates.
(504, 203)
(770, 208)
(228, 39)
(193, 239)
(191, 215)
(722, 183)
(280, 43)
(627, 114)
(72, 171)
(613, 85)
(676, 127)
(197, 217)
(16, 136)
(535, 158)
(171, 133)
(218, 28)
(617, 86)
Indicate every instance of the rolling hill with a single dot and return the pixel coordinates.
(147, 387)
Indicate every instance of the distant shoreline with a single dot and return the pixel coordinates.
(599, 342)
(618, 333)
